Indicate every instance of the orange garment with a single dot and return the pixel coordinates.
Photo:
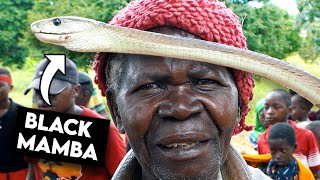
(304, 173)
(15, 175)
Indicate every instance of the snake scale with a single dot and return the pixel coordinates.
(87, 35)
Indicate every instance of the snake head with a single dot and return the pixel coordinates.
(62, 25)
(60, 30)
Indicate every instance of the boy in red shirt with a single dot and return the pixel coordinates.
(276, 110)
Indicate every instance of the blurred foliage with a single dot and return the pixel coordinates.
(269, 29)
(12, 15)
(309, 11)
(101, 10)
(308, 20)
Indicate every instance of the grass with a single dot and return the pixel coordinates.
(22, 78)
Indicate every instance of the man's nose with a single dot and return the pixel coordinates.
(181, 104)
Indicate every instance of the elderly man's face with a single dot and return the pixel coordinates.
(179, 115)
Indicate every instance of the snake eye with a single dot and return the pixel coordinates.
(56, 21)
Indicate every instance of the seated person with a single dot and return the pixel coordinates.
(283, 166)
(261, 123)
(314, 127)
(299, 110)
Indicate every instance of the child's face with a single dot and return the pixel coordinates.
(276, 109)
(263, 119)
(297, 111)
(281, 151)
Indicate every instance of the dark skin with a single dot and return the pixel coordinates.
(5, 88)
(299, 112)
(63, 102)
(281, 151)
(83, 98)
(179, 115)
(276, 109)
(262, 119)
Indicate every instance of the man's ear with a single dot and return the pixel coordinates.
(304, 108)
(290, 109)
(76, 90)
(112, 103)
(87, 94)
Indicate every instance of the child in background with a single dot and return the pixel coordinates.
(283, 166)
(299, 110)
(315, 128)
(261, 123)
(276, 110)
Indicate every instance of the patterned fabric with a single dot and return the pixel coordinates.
(283, 173)
(207, 19)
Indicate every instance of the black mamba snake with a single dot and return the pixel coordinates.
(87, 35)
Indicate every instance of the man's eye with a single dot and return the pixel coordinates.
(150, 86)
(283, 150)
(203, 82)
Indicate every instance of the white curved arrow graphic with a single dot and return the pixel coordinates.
(57, 62)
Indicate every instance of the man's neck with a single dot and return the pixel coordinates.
(306, 118)
(76, 110)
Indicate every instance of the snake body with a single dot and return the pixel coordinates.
(87, 35)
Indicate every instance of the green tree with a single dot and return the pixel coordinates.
(310, 49)
(269, 29)
(12, 15)
(100, 10)
(308, 20)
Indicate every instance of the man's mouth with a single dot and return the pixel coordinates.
(182, 145)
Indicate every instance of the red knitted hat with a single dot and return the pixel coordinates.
(207, 19)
